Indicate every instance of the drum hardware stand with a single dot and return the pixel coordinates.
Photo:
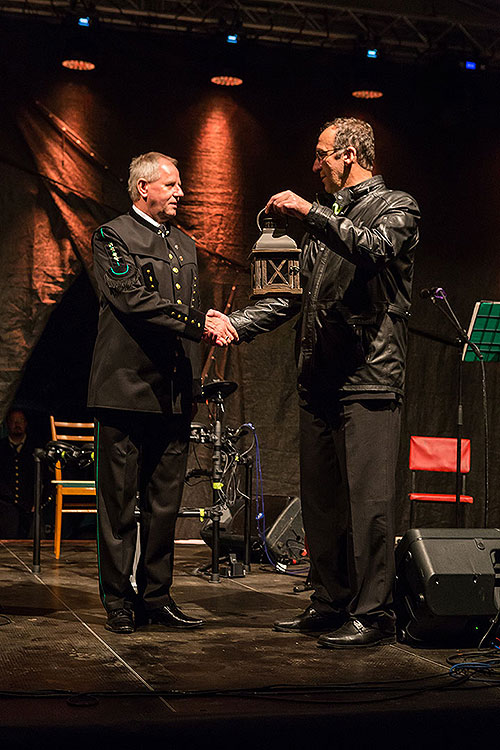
(81, 455)
(215, 393)
(38, 454)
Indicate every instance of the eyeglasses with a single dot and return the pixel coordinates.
(322, 155)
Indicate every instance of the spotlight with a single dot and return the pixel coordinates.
(79, 44)
(372, 53)
(228, 58)
(78, 64)
(367, 94)
(472, 65)
(226, 80)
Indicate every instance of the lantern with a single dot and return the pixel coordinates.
(275, 264)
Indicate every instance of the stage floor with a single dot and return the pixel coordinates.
(208, 687)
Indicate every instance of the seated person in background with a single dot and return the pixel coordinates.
(17, 472)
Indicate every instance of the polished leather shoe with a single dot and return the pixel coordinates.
(171, 617)
(311, 621)
(120, 621)
(355, 634)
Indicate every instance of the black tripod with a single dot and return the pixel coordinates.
(215, 393)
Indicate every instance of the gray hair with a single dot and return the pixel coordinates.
(145, 167)
(356, 133)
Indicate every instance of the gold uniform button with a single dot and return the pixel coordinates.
(175, 269)
(179, 302)
(177, 286)
(170, 256)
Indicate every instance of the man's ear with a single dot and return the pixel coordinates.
(142, 187)
(350, 155)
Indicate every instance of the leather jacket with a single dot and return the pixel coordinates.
(356, 277)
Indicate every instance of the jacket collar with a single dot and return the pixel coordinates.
(145, 223)
(342, 198)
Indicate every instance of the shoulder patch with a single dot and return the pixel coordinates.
(117, 264)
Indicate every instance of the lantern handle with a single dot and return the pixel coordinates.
(258, 220)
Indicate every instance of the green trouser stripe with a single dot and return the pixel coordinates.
(97, 506)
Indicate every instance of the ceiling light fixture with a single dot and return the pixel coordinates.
(367, 94)
(226, 80)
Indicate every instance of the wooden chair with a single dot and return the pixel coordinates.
(76, 489)
(437, 454)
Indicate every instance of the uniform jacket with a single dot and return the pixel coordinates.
(146, 355)
(356, 276)
(17, 474)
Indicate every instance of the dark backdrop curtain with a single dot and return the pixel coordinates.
(436, 138)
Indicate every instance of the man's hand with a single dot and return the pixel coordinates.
(218, 329)
(288, 203)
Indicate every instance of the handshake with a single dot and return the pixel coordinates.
(218, 329)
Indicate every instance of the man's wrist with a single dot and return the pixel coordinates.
(318, 216)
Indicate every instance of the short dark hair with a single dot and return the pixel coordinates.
(356, 133)
(15, 410)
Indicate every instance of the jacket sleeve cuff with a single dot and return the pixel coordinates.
(193, 321)
(318, 216)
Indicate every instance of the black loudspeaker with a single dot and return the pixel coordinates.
(285, 538)
(284, 532)
(447, 585)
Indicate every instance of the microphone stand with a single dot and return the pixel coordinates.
(440, 295)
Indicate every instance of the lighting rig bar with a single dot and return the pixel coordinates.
(467, 27)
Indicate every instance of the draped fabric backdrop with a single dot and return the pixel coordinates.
(66, 140)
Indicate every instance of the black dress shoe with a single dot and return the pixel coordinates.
(171, 617)
(311, 621)
(355, 634)
(120, 621)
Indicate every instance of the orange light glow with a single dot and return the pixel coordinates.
(78, 64)
(214, 202)
(367, 94)
(226, 80)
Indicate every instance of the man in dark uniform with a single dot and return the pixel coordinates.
(17, 475)
(144, 372)
(357, 270)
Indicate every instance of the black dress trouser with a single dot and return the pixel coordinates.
(145, 454)
(348, 454)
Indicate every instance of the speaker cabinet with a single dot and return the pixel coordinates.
(284, 532)
(447, 585)
(285, 538)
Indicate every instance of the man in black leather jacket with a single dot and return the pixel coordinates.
(356, 276)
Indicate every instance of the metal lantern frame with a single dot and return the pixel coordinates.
(275, 261)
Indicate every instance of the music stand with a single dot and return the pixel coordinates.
(484, 331)
(438, 294)
(483, 345)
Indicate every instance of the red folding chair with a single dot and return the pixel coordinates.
(437, 454)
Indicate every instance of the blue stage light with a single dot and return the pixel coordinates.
(232, 39)
(373, 53)
(84, 21)
(470, 65)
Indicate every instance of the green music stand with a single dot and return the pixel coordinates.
(484, 345)
(484, 331)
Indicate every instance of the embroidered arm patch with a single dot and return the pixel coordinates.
(117, 264)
